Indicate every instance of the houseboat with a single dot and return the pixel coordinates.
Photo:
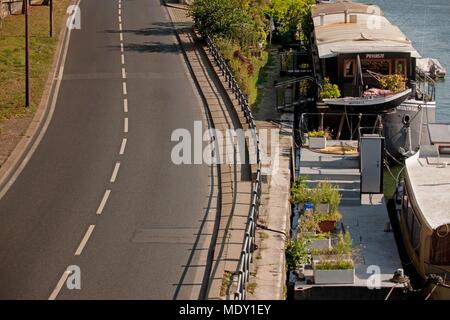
(423, 207)
(357, 48)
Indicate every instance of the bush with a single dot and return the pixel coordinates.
(290, 17)
(329, 90)
(394, 83)
(327, 193)
(297, 253)
(231, 19)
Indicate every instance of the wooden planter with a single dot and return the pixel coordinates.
(317, 142)
(327, 226)
(334, 276)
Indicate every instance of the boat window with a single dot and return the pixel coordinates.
(400, 67)
(382, 66)
(440, 251)
(444, 150)
(349, 68)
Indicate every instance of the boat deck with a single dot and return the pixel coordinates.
(366, 221)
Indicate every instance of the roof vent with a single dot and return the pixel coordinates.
(322, 19)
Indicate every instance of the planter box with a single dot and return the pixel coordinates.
(317, 142)
(330, 257)
(334, 276)
(327, 225)
(321, 244)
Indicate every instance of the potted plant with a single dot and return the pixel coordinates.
(334, 272)
(326, 197)
(394, 83)
(319, 241)
(329, 90)
(341, 250)
(307, 225)
(318, 139)
(300, 193)
(297, 255)
(327, 221)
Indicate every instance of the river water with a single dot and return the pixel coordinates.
(427, 24)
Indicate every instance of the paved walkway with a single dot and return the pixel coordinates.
(236, 182)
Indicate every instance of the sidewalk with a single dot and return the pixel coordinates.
(267, 280)
(236, 182)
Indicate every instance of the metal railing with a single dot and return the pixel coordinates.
(243, 270)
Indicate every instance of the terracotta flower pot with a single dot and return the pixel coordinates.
(327, 225)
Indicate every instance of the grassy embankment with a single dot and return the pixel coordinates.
(12, 58)
(248, 75)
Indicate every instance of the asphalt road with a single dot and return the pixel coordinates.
(144, 223)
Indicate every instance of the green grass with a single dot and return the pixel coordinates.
(248, 82)
(12, 58)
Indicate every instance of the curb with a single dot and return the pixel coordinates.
(21, 151)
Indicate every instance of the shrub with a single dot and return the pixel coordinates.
(297, 253)
(325, 192)
(300, 193)
(394, 82)
(329, 90)
(291, 18)
(319, 134)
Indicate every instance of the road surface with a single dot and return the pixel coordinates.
(100, 191)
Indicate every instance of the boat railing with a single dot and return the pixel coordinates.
(425, 87)
(350, 126)
(295, 63)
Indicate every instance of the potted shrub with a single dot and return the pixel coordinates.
(326, 197)
(318, 139)
(307, 225)
(329, 90)
(300, 193)
(394, 83)
(327, 221)
(334, 272)
(297, 254)
(341, 250)
(319, 241)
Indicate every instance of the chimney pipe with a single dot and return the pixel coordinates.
(322, 19)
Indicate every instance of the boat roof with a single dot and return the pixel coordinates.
(429, 179)
(371, 32)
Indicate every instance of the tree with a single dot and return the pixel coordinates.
(290, 17)
(233, 19)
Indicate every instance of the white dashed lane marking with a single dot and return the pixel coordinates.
(59, 285)
(125, 105)
(103, 202)
(125, 125)
(115, 172)
(122, 146)
(85, 239)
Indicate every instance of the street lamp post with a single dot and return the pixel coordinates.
(27, 62)
(51, 18)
